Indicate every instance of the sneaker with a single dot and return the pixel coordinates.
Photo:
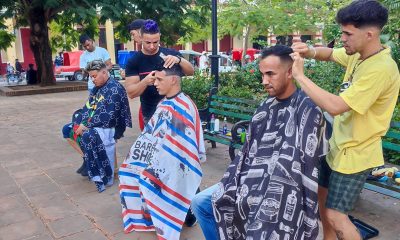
(190, 219)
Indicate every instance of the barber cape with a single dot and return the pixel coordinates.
(270, 189)
(162, 172)
(106, 115)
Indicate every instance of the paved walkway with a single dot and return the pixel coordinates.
(41, 196)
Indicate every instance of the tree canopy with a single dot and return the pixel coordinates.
(63, 15)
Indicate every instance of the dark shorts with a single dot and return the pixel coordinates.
(343, 189)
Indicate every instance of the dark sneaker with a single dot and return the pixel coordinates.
(190, 219)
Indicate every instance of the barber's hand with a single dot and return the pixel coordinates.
(170, 61)
(150, 78)
(298, 66)
(81, 129)
(302, 48)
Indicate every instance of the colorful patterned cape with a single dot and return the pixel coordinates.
(270, 189)
(162, 172)
(106, 115)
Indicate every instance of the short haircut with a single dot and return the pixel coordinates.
(363, 13)
(95, 65)
(150, 27)
(281, 51)
(83, 38)
(173, 71)
(136, 24)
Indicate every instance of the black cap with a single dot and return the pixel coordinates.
(136, 24)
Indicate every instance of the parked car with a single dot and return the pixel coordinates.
(225, 62)
(72, 71)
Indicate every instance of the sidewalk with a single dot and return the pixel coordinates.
(41, 196)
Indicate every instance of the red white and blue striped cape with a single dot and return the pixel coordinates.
(162, 172)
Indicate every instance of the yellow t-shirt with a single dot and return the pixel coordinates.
(356, 140)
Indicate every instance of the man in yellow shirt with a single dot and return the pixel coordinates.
(362, 110)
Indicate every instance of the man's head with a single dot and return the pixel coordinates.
(276, 70)
(87, 42)
(168, 81)
(150, 37)
(361, 23)
(134, 29)
(97, 70)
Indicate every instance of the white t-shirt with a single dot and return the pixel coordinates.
(97, 54)
(203, 62)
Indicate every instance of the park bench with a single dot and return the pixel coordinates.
(391, 141)
(238, 112)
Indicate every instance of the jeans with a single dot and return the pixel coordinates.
(202, 209)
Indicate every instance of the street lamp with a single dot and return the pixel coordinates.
(214, 56)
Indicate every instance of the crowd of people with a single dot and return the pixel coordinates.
(294, 168)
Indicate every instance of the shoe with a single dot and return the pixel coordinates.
(190, 219)
(79, 171)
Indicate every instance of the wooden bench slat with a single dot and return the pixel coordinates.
(394, 124)
(391, 146)
(230, 114)
(393, 134)
(382, 190)
(217, 139)
(237, 100)
(249, 110)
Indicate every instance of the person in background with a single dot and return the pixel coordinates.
(31, 75)
(91, 53)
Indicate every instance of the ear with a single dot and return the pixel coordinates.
(289, 72)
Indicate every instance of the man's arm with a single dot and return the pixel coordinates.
(318, 53)
(331, 103)
(134, 87)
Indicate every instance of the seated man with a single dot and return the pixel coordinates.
(102, 120)
(270, 190)
(162, 172)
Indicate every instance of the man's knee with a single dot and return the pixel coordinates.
(335, 218)
(66, 130)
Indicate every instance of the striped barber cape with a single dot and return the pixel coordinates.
(162, 172)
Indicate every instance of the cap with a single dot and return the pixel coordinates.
(136, 24)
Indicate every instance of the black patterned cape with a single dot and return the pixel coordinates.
(270, 189)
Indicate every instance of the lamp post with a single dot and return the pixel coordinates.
(214, 56)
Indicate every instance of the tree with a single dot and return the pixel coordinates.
(39, 14)
(252, 18)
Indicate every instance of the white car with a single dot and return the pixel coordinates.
(225, 62)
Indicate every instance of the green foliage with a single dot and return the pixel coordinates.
(198, 88)
(327, 75)
(6, 39)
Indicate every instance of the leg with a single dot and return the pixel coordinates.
(202, 209)
(329, 232)
(323, 183)
(343, 227)
(75, 146)
(344, 191)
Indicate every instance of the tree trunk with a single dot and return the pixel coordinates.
(40, 45)
(246, 32)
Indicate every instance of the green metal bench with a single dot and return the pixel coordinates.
(238, 111)
(391, 141)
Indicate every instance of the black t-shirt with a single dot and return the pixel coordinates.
(141, 65)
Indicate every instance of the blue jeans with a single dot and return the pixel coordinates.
(202, 209)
